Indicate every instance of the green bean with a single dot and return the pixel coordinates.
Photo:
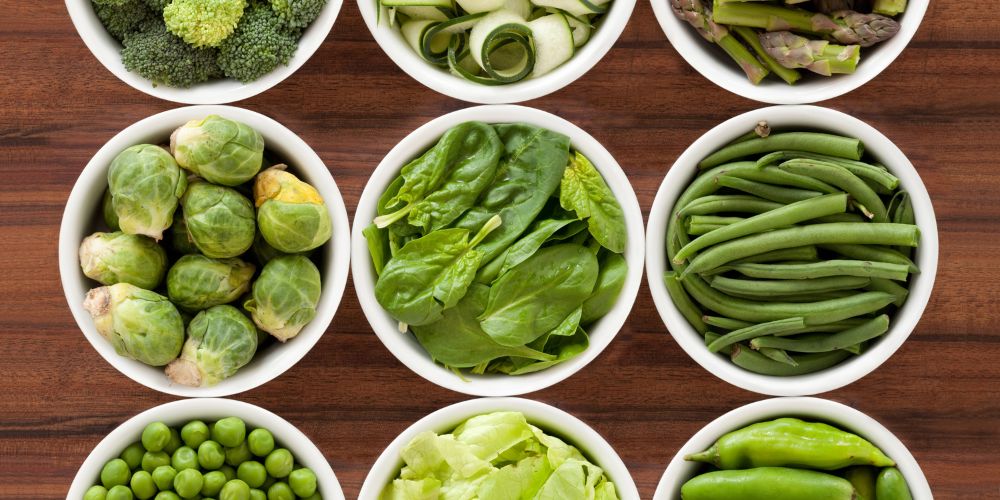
(801, 254)
(758, 330)
(710, 337)
(777, 218)
(797, 297)
(683, 302)
(822, 269)
(902, 214)
(874, 173)
(787, 287)
(843, 179)
(714, 219)
(766, 191)
(745, 137)
(875, 186)
(833, 327)
(838, 232)
(815, 313)
(778, 355)
(734, 203)
(891, 287)
(701, 229)
(725, 323)
(813, 142)
(844, 217)
(827, 342)
(749, 360)
(777, 176)
(872, 253)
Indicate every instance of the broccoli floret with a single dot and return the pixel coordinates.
(203, 23)
(298, 13)
(156, 5)
(259, 44)
(122, 18)
(111, 2)
(158, 55)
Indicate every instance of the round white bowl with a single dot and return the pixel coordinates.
(404, 346)
(440, 80)
(902, 323)
(550, 419)
(83, 211)
(107, 50)
(178, 413)
(709, 60)
(813, 409)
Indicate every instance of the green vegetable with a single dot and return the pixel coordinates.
(298, 13)
(220, 150)
(96, 492)
(163, 477)
(194, 433)
(610, 281)
(160, 56)
(167, 495)
(261, 442)
(285, 296)
(235, 490)
(122, 18)
(196, 282)
(280, 491)
(142, 485)
(188, 483)
(151, 460)
(120, 492)
(890, 485)
(221, 340)
(767, 483)
(863, 480)
(844, 26)
(252, 473)
(155, 436)
(302, 482)
(811, 142)
(229, 431)
(584, 191)
(203, 23)
(212, 483)
(699, 16)
(238, 454)
(211, 455)
(292, 215)
(827, 342)
(139, 324)
(146, 185)
(115, 472)
(219, 219)
(108, 212)
(132, 455)
(259, 44)
(180, 237)
(279, 463)
(184, 458)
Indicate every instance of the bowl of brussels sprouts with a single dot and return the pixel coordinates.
(218, 447)
(204, 250)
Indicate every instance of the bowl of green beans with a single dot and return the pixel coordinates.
(791, 250)
(793, 447)
(195, 448)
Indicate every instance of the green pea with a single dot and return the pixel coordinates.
(229, 432)
(252, 472)
(279, 463)
(96, 492)
(303, 482)
(175, 441)
(188, 483)
(167, 495)
(142, 485)
(163, 476)
(236, 456)
(261, 442)
(153, 459)
(258, 495)
(184, 458)
(155, 436)
(229, 471)
(214, 481)
(280, 491)
(194, 433)
(211, 455)
(133, 455)
(235, 490)
(114, 473)
(120, 492)
(314, 496)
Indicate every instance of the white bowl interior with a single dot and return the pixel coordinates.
(107, 50)
(405, 347)
(440, 80)
(810, 409)
(550, 419)
(178, 413)
(83, 211)
(709, 60)
(808, 118)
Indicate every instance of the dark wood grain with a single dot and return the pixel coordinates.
(940, 393)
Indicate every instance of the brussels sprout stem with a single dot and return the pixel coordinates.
(184, 372)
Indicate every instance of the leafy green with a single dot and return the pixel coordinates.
(584, 191)
(521, 249)
(610, 281)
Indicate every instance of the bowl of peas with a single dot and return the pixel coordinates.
(205, 448)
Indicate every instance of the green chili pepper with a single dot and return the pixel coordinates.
(863, 479)
(767, 483)
(890, 485)
(794, 443)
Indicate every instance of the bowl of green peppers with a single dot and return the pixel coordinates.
(794, 448)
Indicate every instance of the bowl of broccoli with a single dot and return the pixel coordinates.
(203, 51)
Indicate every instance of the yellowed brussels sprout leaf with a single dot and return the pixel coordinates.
(291, 214)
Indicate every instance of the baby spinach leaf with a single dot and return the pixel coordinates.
(610, 281)
(536, 295)
(378, 246)
(521, 249)
(564, 348)
(584, 191)
(566, 328)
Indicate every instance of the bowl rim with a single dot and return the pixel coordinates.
(107, 51)
(545, 416)
(711, 63)
(584, 58)
(841, 415)
(404, 347)
(188, 409)
(905, 320)
(334, 270)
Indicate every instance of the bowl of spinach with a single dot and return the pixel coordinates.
(498, 250)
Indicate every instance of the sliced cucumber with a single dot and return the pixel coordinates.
(477, 6)
(578, 8)
(519, 7)
(553, 42)
(419, 3)
(413, 32)
(581, 30)
(415, 12)
(505, 30)
(437, 38)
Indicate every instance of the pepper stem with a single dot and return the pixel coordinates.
(709, 456)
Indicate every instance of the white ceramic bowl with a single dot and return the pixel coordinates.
(107, 50)
(177, 413)
(440, 80)
(902, 323)
(709, 60)
(550, 419)
(83, 211)
(811, 409)
(405, 347)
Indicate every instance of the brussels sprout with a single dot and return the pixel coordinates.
(285, 296)
(218, 149)
(263, 251)
(111, 258)
(219, 220)
(180, 238)
(145, 184)
(221, 340)
(108, 211)
(140, 324)
(196, 282)
(291, 214)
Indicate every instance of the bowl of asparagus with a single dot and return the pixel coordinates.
(790, 51)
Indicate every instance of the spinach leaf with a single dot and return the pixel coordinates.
(536, 295)
(584, 191)
(378, 246)
(457, 341)
(610, 281)
(564, 348)
(566, 328)
(523, 248)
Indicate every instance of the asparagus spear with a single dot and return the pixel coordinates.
(831, 6)
(697, 14)
(889, 7)
(818, 56)
(749, 37)
(846, 27)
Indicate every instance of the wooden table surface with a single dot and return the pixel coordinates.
(940, 393)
